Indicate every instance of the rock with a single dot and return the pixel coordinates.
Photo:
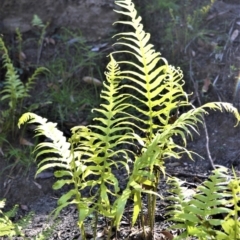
(93, 17)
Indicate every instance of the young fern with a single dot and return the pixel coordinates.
(90, 152)
(14, 89)
(156, 89)
(198, 216)
(7, 227)
(231, 223)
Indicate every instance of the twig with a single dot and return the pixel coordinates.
(204, 122)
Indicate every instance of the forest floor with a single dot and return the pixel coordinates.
(222, 67)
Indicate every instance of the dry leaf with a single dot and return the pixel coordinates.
(37, 184)
(167, 234)
(53, 86)
(211, 16)
(92, 80)
(1, 151)
(49, 40)
(201, 43)
(25, 142)
(207, 83)
(44, 175)
(234, 35)
(22, 56)
(193, 53)
(24, 207)
(52, 41)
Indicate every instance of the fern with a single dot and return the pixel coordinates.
(157, 89)
(94, 144)
(7, 227)
(231, 223)
(199, 215)
(14, 89)
(37, 21)
(154, 91)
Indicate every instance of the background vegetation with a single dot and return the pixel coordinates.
(175, 27)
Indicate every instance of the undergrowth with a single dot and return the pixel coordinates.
(176, 24)
(86, 159)
(7, 227)
(14, 93)
(212, 212)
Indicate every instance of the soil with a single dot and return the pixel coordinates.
(221, 67)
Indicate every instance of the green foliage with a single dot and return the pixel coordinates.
(14, 91)
(7, 227)
(65, 79)
(200, 213)
(10, 229)
(231, 224)
(174, 25)
(37, 22)
(153, 89)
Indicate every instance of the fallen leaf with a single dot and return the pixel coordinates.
(211, 16)
(83, 107)
(200, 42)
(1, 151)
(22, 56)
(52, 41)
(193, 53)
(207, 83)
(25, 142)
(48, 41)
(92, 80)
(53, 86)
(37, 184)
(44, 175)
(24, 207)
(234, 35)
(167, 234)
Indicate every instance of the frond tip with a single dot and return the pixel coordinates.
(223, 106)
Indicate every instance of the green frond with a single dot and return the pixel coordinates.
(37, 21)
(155, 86)
(58, 146)
(153, 90)
(231, 224)
(7, 227)
(31, 80)
(223, 106)
(197, 214)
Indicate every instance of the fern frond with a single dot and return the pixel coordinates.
(197, 215)
(7, 227)
(37, 21)
(223, 106)
(101, 141)
(13, 84)
(31, 80)
(58, 146)
(159, 88)
(231, 224)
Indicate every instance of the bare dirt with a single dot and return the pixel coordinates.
(86, 15)
(216, 58)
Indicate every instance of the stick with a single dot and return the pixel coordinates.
(204, 122)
